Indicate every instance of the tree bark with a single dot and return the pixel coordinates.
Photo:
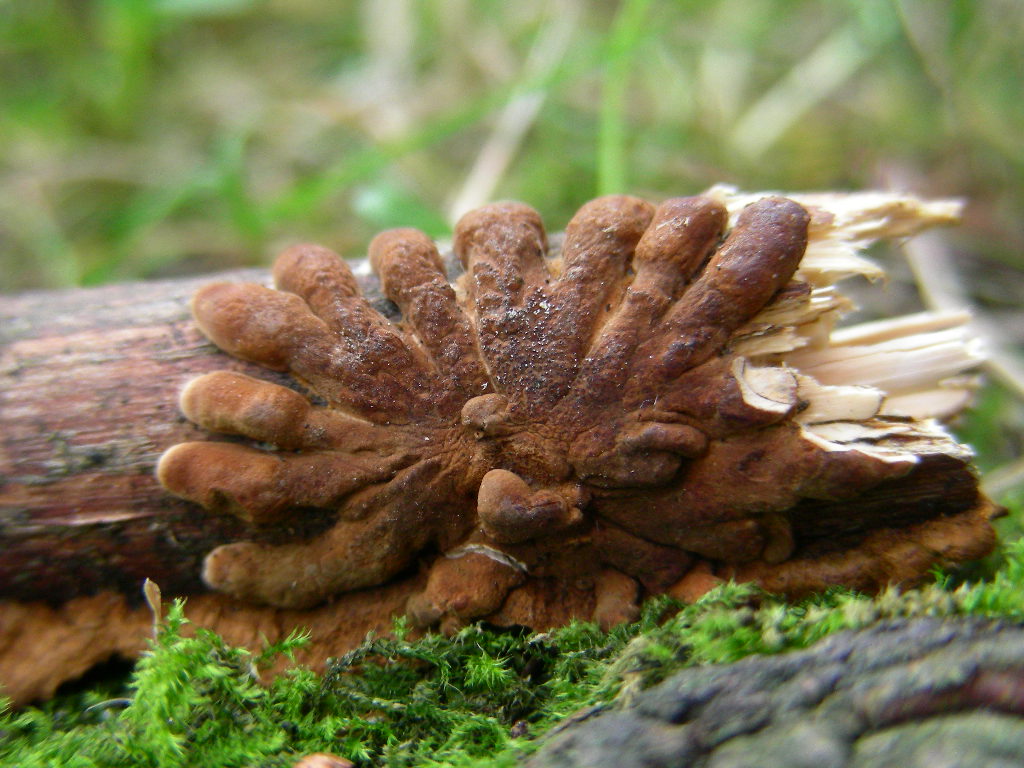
(89, 380)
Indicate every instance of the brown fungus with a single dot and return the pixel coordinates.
(659, 404)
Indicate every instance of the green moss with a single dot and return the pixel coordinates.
(481, 697)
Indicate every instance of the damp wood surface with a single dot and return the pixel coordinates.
(88, 401)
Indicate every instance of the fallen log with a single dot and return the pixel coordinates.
(752, 443)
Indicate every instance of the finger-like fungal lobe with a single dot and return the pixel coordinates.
(652, 402)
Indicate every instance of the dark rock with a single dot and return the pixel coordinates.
(967, 739)
(909, 692)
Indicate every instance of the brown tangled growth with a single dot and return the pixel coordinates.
(656, 405)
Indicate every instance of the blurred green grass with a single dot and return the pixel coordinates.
(143, 138)
(139, 134)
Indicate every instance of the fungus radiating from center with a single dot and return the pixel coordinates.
(659, 403)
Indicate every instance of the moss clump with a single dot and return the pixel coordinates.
(195, 701)
(481, 697)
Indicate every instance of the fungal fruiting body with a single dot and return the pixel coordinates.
(656, 404)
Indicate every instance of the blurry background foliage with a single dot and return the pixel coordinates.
(146, 138)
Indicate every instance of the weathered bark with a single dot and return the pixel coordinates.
(88, 402)
(908, 693)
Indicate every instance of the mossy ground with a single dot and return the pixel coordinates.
(481, 697)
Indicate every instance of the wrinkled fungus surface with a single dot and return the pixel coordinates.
(633, 414)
